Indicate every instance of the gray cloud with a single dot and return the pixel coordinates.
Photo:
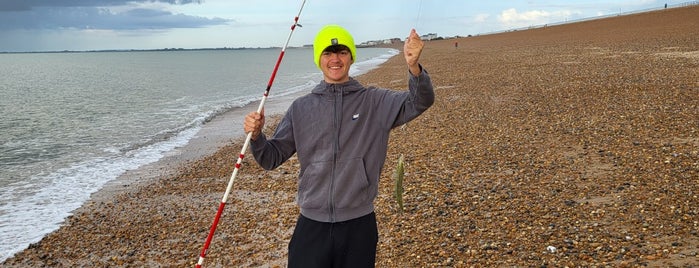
(25, 5)
(94, 14)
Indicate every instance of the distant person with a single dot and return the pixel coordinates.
(339, 132)
(456, 44)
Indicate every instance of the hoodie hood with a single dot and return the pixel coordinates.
(325, 88)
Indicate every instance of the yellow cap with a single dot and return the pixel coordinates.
(332, 35)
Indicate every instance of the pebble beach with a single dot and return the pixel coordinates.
(574, 145)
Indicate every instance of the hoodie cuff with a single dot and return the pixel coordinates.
(422, 71)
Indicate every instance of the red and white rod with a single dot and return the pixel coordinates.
(238, 164)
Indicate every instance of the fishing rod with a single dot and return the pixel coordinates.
(238, 164)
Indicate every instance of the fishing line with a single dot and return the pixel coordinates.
(419, 11)
(238, 164)
(399, 172)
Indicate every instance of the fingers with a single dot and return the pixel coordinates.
(413, 44)
(414, 39)
(253, 123)
(412, 48)
(414, 35)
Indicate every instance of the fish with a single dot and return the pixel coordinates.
(398, 175)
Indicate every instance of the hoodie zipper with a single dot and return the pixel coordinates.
(337, 116)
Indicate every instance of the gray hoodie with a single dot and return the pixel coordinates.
(340, 133)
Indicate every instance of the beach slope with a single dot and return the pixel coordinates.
(572, 145)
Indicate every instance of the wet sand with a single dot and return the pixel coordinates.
(573, 145)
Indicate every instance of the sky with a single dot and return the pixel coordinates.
(77, 25)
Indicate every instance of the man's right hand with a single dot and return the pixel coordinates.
(254, 122)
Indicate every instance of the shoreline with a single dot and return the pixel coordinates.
(220, 131)
(551, 146)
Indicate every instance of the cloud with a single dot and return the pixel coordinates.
(481, 18)
(512, 18)
(97, 14)
(25, 5)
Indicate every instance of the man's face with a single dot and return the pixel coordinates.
(335, 63)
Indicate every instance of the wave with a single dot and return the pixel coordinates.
(363, 67)
(40, 205)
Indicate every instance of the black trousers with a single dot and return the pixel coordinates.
(350, 244)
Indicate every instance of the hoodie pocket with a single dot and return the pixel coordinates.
(351, 184)
(314, 185)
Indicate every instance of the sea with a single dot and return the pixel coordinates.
(71, 122)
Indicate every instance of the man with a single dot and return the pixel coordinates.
(340, 132)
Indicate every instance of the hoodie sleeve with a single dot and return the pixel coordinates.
(270, 154)
(420, 97)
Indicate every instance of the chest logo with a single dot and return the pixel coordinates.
(355, 116)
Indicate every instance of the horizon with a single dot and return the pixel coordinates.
(42, 25)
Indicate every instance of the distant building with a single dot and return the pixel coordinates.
(429, 36)
(380, 42)
(394, 40)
